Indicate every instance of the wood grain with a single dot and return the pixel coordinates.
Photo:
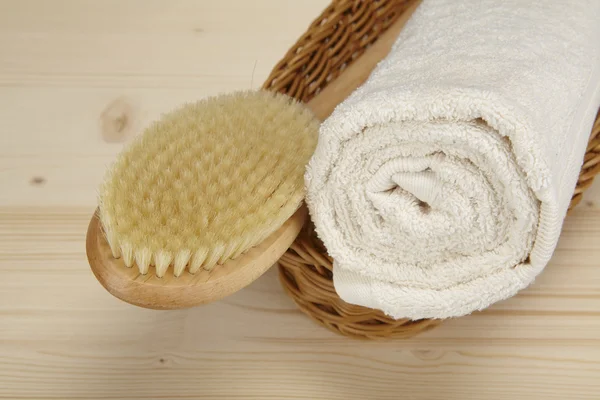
(62, 336)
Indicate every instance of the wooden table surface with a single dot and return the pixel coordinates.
(77, 80)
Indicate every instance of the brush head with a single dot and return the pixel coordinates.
(208, 181)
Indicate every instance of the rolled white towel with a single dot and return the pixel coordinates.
(440, 186)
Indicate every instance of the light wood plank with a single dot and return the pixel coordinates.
(80, 78)
(78, 83)
(64, 336)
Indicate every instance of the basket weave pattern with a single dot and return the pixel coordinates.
(331, 43)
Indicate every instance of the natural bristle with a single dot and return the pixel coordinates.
(208, 181)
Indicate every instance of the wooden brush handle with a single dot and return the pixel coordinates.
(187, 290)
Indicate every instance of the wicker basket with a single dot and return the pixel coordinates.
(332, 42)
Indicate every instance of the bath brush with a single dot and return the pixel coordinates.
(204, 201)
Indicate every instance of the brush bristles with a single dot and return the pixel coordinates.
(207, 182)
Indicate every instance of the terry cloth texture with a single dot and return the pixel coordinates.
(441, 184)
